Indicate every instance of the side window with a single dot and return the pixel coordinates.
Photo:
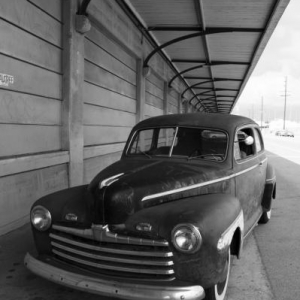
(155, 141)
(165, 137)
(258, 140)
(142, 141)
(244, 144)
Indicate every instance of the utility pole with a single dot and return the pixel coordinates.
(285, 96)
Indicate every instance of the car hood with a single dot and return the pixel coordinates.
(132, 185)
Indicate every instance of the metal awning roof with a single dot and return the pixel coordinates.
(212, 45)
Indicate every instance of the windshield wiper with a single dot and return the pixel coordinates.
(217, 157)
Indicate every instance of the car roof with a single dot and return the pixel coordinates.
(226, 122)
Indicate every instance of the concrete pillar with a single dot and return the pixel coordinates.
(165, 95)
(180, 106)
(72, 106)
(140, 92)
(185, 107)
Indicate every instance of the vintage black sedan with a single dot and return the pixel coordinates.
(163, 221)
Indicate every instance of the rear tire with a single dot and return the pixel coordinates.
(218, 291)
(265, 217)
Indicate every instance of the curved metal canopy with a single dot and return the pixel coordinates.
(211, 45)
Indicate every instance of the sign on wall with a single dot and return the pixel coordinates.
(6, 80)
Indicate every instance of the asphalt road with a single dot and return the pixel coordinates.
(279, 241)
(268, 270)
(271, 263)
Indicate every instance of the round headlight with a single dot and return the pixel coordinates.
(40, 218)
(186, 238)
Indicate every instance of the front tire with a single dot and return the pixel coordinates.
(218, 291)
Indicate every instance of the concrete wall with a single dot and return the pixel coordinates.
(32, 162)
(68, 100)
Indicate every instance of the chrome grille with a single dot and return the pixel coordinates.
(117, 255)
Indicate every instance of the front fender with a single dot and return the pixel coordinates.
(72, 200)
(214, 215)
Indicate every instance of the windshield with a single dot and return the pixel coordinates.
(191, 143)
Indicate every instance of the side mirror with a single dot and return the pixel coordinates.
(249, 140)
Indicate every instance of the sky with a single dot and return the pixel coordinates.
(279, 64)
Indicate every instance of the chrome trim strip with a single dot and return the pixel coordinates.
(84, 233)
(254, 224)
(245, 171)
(114, 268)
(112, 288)
(103, 234)
(265, 160)
(109, 181)
(190, 187)
(198, 185)
(110, 250)
(249, 158)
(113, 259)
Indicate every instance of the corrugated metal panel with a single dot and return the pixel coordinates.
(166, 12)
(237, 13)
(230, 55)
(233, 46)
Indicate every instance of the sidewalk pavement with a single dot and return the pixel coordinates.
(18, 283)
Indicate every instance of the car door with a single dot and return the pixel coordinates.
(250, 171)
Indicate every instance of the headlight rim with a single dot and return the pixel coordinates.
(47, 214)
(195, 230)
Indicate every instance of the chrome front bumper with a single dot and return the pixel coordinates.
(112, 288)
